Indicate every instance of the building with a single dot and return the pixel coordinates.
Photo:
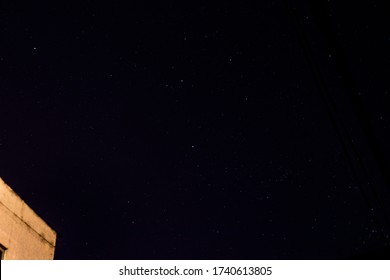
(23, 234)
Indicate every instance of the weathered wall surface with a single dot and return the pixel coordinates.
(22, 231)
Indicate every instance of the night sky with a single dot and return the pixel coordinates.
(171, 130)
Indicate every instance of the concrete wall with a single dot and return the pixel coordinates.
(22, 232)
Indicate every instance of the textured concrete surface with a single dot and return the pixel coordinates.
(22, 232)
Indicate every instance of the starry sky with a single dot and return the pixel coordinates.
(172, 130)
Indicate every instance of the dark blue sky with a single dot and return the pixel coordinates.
(171, 131)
